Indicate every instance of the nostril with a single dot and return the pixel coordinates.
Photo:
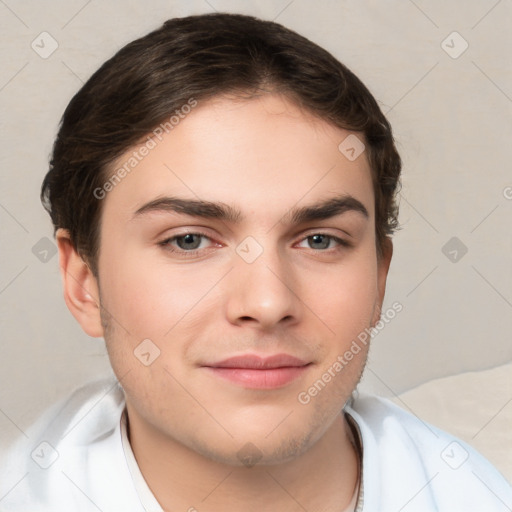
(284, 319)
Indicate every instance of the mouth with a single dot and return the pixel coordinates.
(256, 372)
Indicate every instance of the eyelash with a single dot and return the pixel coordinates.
(166, 244)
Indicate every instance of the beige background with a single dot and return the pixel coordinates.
(452, 117)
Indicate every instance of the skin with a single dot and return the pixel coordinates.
(263, 157)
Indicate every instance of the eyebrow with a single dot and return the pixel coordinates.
(221, 211)
(327, 209)
(192, 207)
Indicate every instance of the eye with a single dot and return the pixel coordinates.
(188, 242)
(320, 241)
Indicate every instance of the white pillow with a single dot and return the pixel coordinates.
(474, 406)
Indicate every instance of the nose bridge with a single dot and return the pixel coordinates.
(262, 285)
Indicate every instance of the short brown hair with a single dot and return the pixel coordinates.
(202, 57)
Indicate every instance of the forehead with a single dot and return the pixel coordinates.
(263, 155)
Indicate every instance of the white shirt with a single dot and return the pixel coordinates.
(78, 459)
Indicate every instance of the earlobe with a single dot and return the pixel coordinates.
(81, 292)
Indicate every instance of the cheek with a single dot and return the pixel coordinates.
(153, 299)
(345, 297)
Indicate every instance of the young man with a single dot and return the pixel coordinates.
(223, 195)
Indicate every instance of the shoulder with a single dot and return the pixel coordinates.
(413, 465)
(68, 454)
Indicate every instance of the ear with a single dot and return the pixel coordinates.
(81, 291)
(383, 262)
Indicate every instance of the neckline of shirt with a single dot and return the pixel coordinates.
(150, 503)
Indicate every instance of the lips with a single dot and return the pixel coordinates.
(254, 362)
(257, 372)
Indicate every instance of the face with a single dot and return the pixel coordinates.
(242, 249)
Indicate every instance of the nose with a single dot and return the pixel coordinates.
(262, 294)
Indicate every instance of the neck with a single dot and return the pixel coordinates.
(321, 479)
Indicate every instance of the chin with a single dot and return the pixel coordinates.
(256, 454)
(263, 447)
